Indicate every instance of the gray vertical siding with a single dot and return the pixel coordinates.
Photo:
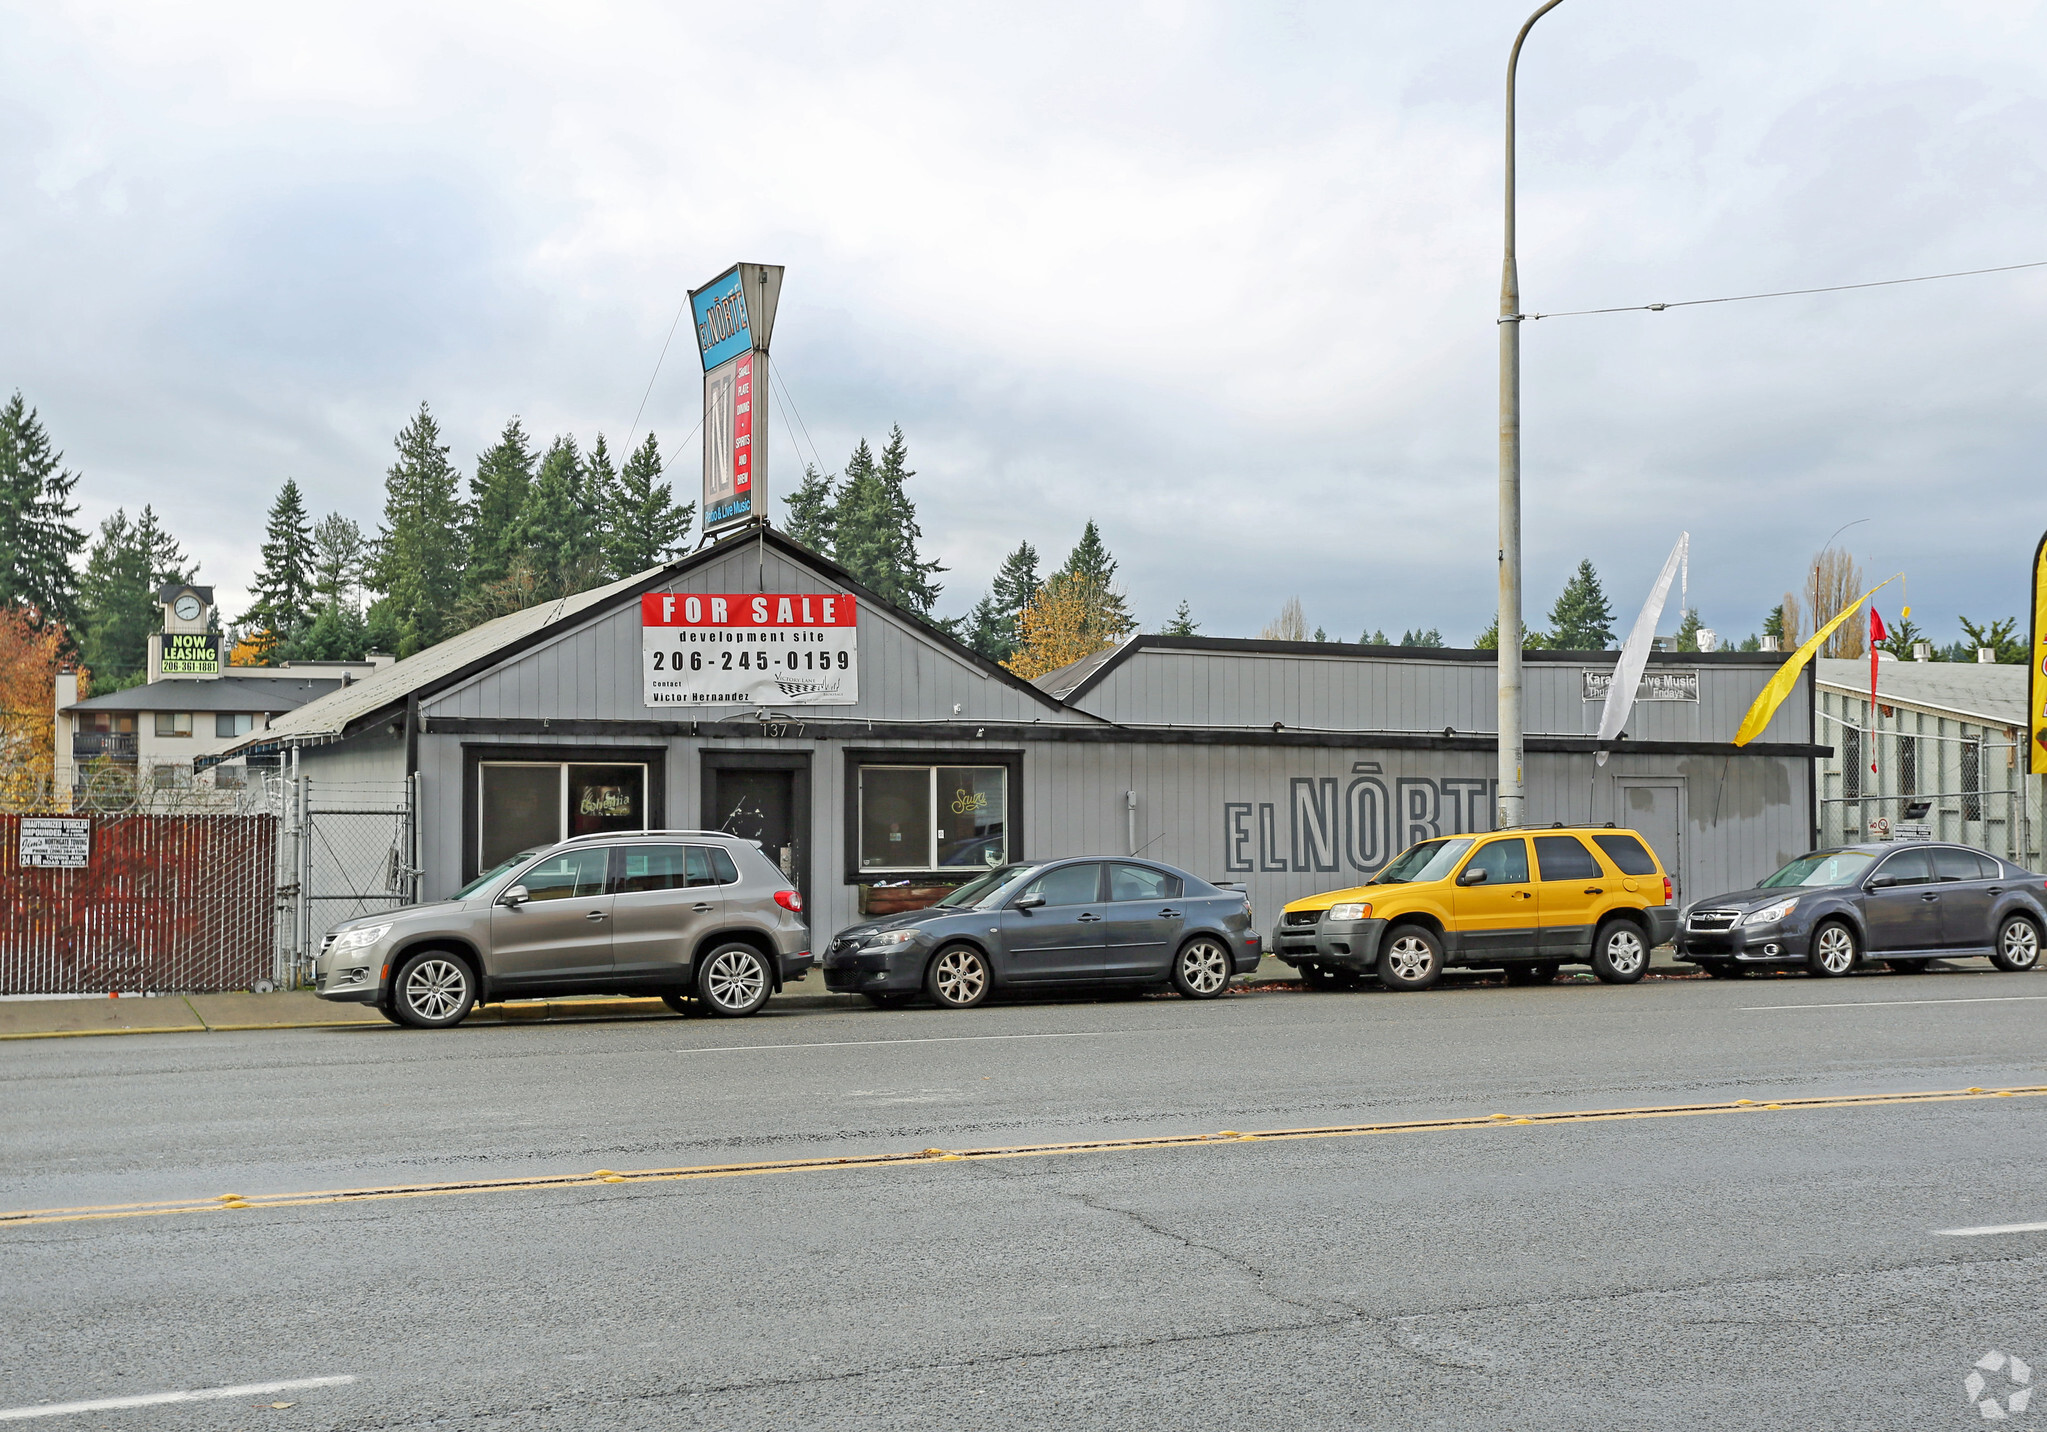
(1173, 686)
(593, 672)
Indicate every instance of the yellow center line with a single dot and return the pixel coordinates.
(221, 1203)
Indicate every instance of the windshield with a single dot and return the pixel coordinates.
(981, 892)
(1822, 867)
(1431, 860)
(497, 872)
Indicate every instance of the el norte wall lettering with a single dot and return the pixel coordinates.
(1328, 824)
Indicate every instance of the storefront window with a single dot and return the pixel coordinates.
(933, 817)
(521, 804)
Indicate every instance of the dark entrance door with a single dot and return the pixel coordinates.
(763, 796)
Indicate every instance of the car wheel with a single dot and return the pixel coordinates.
(1532, 972)
(434, 990)
(1620, 952)
(680, 1003)
(1723, 970)
(1833, 950)
(887, 998)
(733, 980)
(959, 977)
(1411, 958)
(1907, 967)
(2018, 945)
(1202, 969)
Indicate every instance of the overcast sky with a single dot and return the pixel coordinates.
(1222, 277)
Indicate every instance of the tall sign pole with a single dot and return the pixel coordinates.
(1512, 805)
(735, 314)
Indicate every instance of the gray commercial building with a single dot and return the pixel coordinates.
(909, 761)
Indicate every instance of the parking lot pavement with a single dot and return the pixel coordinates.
(1744, 1268)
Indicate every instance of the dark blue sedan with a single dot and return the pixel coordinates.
(1903, 904)
(1044, 925)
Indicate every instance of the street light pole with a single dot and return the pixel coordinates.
(1512, 801)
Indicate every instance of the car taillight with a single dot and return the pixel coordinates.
(1666, 889)
(791, 901)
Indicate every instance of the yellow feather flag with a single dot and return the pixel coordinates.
(1772, 696)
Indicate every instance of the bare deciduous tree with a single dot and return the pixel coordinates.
(1290, 625)
(1831, 583)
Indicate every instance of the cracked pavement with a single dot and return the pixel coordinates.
(1740, 1271)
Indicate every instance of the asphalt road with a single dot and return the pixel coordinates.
(1751, 1269)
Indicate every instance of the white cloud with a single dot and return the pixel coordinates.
(1222, 277)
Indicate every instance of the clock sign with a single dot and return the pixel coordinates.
(187, 608)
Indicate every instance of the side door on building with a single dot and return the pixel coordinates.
(1570, 892)
(1495, 915)
(666, 898)
(1901, 903)
(1969, 886)
(1051, 929)
(1143, 922)
(560, 935)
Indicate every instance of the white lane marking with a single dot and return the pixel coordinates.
(1881, 1003)
(932, 1039)
(1992, 1228)
(157, 1399)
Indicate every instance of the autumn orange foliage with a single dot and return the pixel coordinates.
(29, 656)
(1055, 631)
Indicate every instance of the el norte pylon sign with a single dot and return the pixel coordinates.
(735, 314)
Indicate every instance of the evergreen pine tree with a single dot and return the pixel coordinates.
(1091, 571)
(37, 539)
(338, 631)
(877, 534)
(497, 495)
(558, 530)
(281, 609)
(1688, 630)
(419, 557)
(1418, 637)
(644, 525)
(1182, 624)
(1582, 620)
(812, 508)
(1373, 638)
(127, 564)
(1531, 638)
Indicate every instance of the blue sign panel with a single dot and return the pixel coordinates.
(720, 311)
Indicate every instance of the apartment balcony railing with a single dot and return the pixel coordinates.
(89, 745)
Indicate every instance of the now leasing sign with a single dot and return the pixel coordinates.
(750, 649)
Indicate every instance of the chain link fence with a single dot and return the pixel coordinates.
(1972, 780)
(347, 849)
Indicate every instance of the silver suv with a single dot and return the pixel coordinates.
(701, 918)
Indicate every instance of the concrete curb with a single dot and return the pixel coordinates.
(230, 1012)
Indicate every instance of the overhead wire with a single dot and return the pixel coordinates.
(1780, 293)
(652, 377)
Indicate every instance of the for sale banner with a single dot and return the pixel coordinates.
(750, 649)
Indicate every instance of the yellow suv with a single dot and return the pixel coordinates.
(1526, 900)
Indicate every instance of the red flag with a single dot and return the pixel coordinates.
(1876, 634)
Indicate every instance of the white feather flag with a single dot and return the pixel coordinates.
(1627, 675)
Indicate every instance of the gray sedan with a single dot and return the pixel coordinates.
(1051, 924)
(1904, 904)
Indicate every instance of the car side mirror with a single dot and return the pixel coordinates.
(515, 897)
(1881, 882)
(1474, 876)
(1028, 902)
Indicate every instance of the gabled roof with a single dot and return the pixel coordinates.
(1991, 695)
(385, 693)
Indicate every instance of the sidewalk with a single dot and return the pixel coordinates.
(302, 1009)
